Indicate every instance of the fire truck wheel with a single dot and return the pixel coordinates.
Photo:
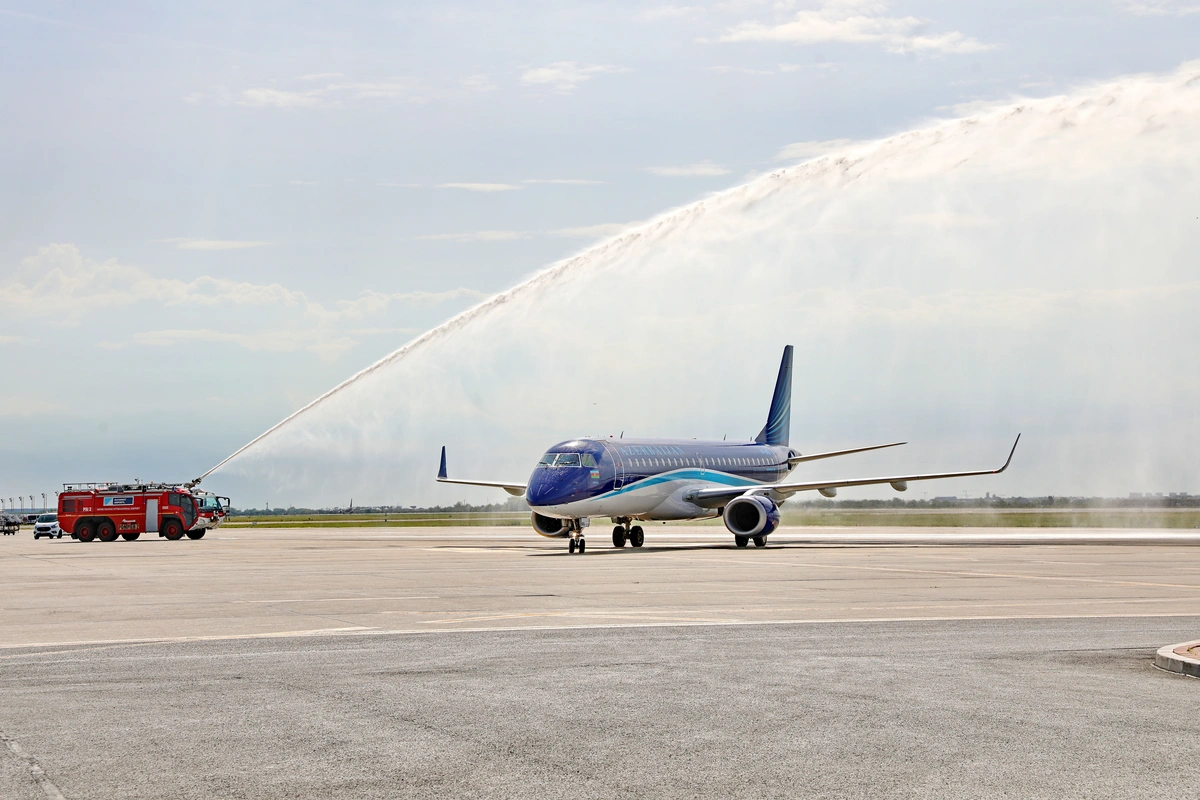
(129, 537)
(84, 531)
(171, 529)
(196, 534)
(106, 531)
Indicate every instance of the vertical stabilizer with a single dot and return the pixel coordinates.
(779, 421)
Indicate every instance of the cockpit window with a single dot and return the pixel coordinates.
(589, 460)
(567, 460)
(547, 460)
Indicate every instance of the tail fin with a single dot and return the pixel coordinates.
(779, 421)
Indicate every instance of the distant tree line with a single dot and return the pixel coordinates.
(1180, 500)
(512, 504)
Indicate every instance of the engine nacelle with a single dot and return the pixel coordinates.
(553, 527)
(751, 515)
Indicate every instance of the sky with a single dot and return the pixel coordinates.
(212, 214)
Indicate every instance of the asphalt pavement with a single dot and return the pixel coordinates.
(450, 663)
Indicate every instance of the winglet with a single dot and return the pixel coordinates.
(1010, 454)
(442, 468)
(779, 420)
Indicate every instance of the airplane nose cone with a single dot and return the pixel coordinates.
(542, 490)
(550, 487)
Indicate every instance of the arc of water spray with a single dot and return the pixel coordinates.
(548, 274)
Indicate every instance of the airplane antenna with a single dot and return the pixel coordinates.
(723, 437)
(622, 434)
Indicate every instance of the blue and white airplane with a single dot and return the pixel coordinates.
(629, 480)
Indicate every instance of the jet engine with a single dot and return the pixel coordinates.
(751, 515)
(550, 526)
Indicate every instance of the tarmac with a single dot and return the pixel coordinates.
(389, 662)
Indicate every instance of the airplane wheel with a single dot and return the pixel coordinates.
(129, 537)
(582, 545)
(619, 537)
(741, 541)
(197, 534)
(637, 535)
(760, 541)
(571, 546)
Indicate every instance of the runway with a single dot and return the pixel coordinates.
(488, 662)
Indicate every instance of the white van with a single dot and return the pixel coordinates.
(47, 525)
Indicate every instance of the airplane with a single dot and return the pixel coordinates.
(640, 480)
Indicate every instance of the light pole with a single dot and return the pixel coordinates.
(43, 501)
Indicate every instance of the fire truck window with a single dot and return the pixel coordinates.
(69, 505)
(173, 499)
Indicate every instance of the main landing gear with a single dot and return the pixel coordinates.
(742, 541)
(623, 533)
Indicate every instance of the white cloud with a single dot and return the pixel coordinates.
(802, 151)
(305, 183)
(61, 285)
(856, 22)
(332, 94)
(4, 339)
(703, 169)
(565, 76)
(321, 76)
(1178, 8)
(479, 187)
(278, 98)
(212, 244)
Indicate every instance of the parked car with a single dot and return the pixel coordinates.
(47, 525)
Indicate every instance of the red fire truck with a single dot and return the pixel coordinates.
(105, 511)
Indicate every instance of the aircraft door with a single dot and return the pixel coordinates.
(617, 459)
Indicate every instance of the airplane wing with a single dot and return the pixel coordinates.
(515, 489)
(799, 458)
(713, 498)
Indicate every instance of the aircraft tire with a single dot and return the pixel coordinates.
(760, 541)
(197, 534)
(637, 535)
(618, 536)
(129, 537)
(582, 545)
(571, 546)
(741, 541)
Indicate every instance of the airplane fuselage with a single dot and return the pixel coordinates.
(646, 479)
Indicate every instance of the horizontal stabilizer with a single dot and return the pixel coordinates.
(515, 489)
(799, 459)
